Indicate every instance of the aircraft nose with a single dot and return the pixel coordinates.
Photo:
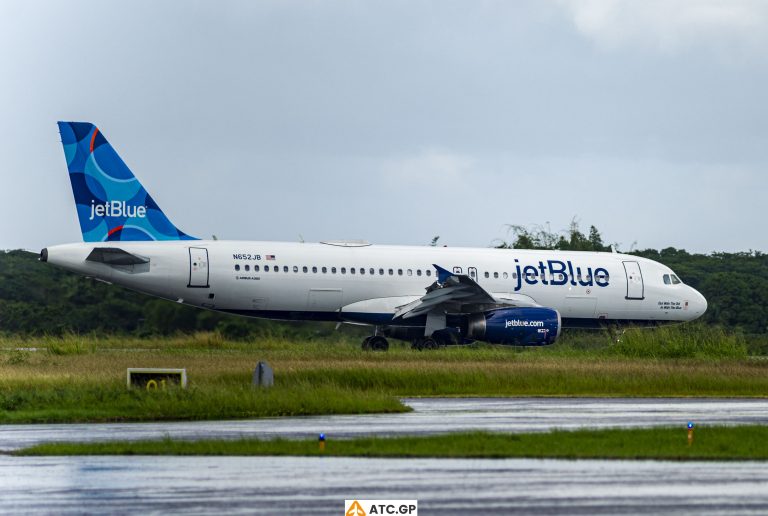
(698, 303)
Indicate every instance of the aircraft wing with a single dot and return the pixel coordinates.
(458, 293)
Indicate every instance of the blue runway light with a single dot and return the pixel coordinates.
(321, 437)
(690, 425)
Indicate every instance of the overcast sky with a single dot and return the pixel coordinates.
(397, 121)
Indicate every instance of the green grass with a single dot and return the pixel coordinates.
(99, 403)
(81, 378)
(710, 443)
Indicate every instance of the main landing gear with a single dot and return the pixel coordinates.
(424, 343)
(438, 339)
(375, 343)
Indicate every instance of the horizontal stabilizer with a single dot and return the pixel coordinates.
(114, 256)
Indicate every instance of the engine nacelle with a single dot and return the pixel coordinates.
(529, 326)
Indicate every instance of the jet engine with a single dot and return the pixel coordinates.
(528, 326)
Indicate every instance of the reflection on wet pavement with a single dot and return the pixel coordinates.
(311, 485)
(430, 416)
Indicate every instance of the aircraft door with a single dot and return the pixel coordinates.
(198, 267)
(635, 288)
(324, 299)
(472, 273)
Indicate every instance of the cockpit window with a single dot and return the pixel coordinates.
(671, 279)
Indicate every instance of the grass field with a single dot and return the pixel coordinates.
(709, 443)
(83, 378)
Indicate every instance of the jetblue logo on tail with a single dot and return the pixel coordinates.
(117, 209)
(111, 203)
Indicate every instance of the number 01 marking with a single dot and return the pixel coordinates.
(152, 385)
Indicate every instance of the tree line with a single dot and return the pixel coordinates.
(36, 298)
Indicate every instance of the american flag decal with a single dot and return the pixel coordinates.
(270, 257)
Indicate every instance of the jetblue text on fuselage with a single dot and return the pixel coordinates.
(557, 272)
(117, 209)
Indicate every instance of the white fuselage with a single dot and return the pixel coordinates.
(324, 281)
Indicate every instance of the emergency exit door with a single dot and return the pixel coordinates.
(198, 267)
(635, 288)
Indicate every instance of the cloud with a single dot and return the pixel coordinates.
(430, 166)
(672, 26)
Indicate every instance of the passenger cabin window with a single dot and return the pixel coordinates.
(381, 272)
(505, 275)
(343, 270)
(314, 269)
(352, 270)
(304, 268)
(399, 272)
(237, 267)
(371, 271)
(391, 272)
(285, 268)
(325, 269)
(418, 272)
(266, 268)
(496, 275)
(256, 268)
(487, 275)
(295, 268)
(429, 272)
(247, 268)
(362, 270)
(333, 270)
(410, 272)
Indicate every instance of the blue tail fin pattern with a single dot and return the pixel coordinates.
(111, 203)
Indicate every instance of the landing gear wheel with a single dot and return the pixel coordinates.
(378, 343)
(444, 338)
(430, 343)
(367, 343)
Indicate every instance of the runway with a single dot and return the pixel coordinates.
(429, 416)
(307, 485)
(296, 485)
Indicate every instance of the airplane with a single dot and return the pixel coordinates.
(431, 296)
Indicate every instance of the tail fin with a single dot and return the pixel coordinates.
(111, 203)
